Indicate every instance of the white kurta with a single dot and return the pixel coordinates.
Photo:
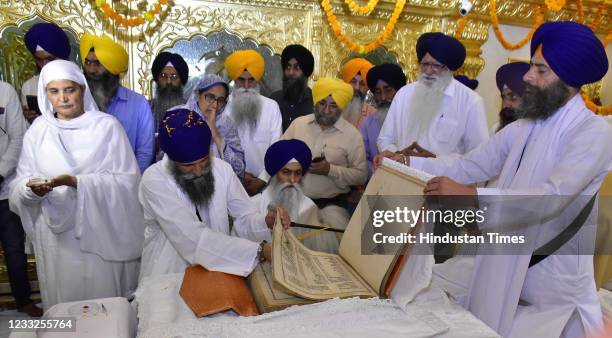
(459, 126)
(13, 126)
(255, 142)
(568, 155)
(175, 238)
(87, 240)
(325, 241)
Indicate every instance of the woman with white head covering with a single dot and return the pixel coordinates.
(208, 99)
(76, 193)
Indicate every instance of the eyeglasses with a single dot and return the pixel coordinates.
(434, 66)
(173, 76)
(89, 62)
(210, 98)
(45, 60)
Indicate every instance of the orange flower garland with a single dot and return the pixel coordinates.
(121, 20)
(580, 11)
(359, 48)
(460, 26)
(599, 110)
(355, 8)
(597, 19)
(555, 5)
(539, 17)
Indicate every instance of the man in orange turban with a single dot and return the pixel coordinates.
(103, 62)
(257, 117)
(339, 161)
(355, 72)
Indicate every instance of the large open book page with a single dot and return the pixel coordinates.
(317, 275)
(312, 274)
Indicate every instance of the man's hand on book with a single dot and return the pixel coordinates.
(283, 215)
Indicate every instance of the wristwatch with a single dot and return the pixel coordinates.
(260, 256)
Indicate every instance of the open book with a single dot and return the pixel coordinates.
(356, 270)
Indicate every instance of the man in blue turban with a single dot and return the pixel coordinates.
(170, 73)
(287, 161)
(383, 81)
(509, 79)
(46, 42)
(436, 115)
(187, 199)
(558, 153)
(295, 98)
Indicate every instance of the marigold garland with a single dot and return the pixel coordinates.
(599, 110)
(460, 26)
(554, 5)
(597, 19)
(580, 9)
(355, 8)
(359, 48)
(539, 17)
(121, 20)
(607, 39)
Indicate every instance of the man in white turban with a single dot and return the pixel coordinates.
(76, 193)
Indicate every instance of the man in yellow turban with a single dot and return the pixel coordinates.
(339, 161)
(103, 62)
(354, 72)
(258, 118)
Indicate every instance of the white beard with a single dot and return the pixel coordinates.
(286, 195)
(246, 106)
(352, 112)
(381, 114)
(426, 101)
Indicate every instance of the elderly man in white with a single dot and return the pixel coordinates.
(76, 193)
(187, 198)
(287, 161)
(257, 117)
(436, 115)
(559, 153)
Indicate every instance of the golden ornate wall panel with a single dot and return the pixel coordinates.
(271, 23)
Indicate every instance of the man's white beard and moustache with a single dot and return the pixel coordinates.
(543, 103)
(352, 112)
(199, 189)
(103, 88)
(286, 195)
(246, 106)
(426, 100)
(382, 108)
(324, 120)
(293, 88)
(166, 97)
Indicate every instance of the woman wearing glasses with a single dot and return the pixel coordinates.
(208, 99)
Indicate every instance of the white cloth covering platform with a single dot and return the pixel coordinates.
(118, 321)
(162, 313)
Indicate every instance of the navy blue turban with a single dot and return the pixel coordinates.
(302, 55)
(391, 73)
(511, 75)
(466, 81)
(184, 136)
(572, 50)
(445, 49)
(177, 62)
(49, 37)
(281, 152)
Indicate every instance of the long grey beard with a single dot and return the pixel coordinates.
(542, 103)
(246, 106)
(325, 120)
(286, 195)
(381, 111)
(166, 97)
(352, 112)
(199, 189)
(426, 101)
(103, 88)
